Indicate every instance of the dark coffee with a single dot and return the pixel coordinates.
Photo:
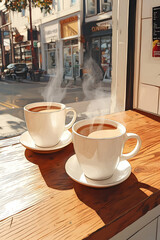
(44, 109)
(89, 128)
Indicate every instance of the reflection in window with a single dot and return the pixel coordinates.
(90, 7)
(106, 5)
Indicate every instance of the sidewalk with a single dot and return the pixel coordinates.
(11, 125)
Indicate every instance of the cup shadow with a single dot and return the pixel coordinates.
(111, 203)
(52, 167)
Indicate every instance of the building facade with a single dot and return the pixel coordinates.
(18, 41)
(97, 31)
(61, 39)
(5, 37)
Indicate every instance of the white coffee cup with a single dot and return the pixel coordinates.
(46, 125)
(99, 155)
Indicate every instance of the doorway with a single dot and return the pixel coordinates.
(71, 58)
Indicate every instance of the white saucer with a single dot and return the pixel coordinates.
(74, 170)
(28, 143)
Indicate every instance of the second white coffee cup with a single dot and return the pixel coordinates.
(99, 151)
(46, 122)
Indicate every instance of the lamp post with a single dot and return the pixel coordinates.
(34, 62)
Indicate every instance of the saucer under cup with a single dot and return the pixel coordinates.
(28, 143)
(121, 173)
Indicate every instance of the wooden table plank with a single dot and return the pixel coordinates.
(9, 141)
(39, 201)
(27, 178)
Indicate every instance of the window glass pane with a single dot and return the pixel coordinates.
(95, 43)
(91, 7)
(106, 56)
(67, 61)
(51, 59)
(106, 5)
(74, 41)
(75, 56)
(67, 42)
(69, 56)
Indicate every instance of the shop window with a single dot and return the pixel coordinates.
(71, 58)
(101, 53)
(51, 53)
(74, 41)
(68, 61)
(106, 56)
(69, 27)
(106, 5)
(23, 54)
(91, 7)
(66, 42)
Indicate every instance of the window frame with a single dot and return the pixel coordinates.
(86, 6)
(101, 10)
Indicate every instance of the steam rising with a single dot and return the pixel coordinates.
(96, 101)
(94, 90)
(53, 92)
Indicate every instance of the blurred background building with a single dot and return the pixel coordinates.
(71, 30)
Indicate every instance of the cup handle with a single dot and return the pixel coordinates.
(135, 150)
(69, 125)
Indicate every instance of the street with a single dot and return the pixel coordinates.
(15, 95)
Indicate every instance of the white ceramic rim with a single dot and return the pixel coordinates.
(37, 104)
(98, 120)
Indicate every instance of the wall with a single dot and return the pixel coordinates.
(145, 228)
(119, 54)
(147, 73)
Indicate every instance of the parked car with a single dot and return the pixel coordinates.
(15, 70)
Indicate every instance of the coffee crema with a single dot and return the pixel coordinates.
(99, 130)
(44, 109)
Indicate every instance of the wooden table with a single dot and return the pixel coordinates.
(39, 201)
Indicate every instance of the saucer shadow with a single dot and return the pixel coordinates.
(52, 167)
(111, 203)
